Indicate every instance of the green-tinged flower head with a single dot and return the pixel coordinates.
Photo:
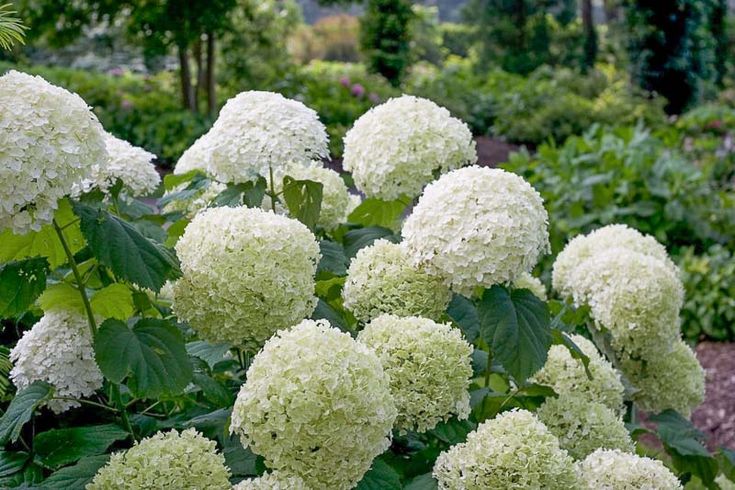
(533, 284)
(672, 380)
(382, 279)
(272, 481)
(582, 426)
(429, 365)
(185, 461)
(316, 404)
(724, 483)
(246, 274)
(512, 451)
(476, 227)
(567, 376)
(611, 469)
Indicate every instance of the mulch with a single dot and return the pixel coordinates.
(716, 416)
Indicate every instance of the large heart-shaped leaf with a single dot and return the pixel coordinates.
(152, 355)
(516, 327)
(21, 282)
(76, 477)
(21, 409)
(59, 447)
(303, 199)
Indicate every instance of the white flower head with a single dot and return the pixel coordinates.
(317, 405)
(610, 469)
(533, 284)
(272, 481)
(477, 227)
(395, 148)
(246, 274)
(49, 141)
(196, 156)
(57, 350)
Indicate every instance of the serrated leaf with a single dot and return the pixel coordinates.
(334, 262)
(325, 311)
(464, 314)
(209, 353)
(516, 327)
(21, 409)
(174, 180)
(130, 255)
(303, 198)
(61, 294)
(21, 283)
(113, 301)
(248, 193)
(375, 212)
(422, 482)
(453, 431)
(45, 242)
(12, 462)
(5, 367)
(59, 447)
(241, 461)
(217, 394)
(354, 240)
(151, 354)
(76, 477)
(380, 477)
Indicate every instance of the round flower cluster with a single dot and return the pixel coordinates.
(512, 451)
(583, 426)
(246, 274)
(186, 461)
(272, 481)
(612, 469)
(192, 204)
(259, 131)
(57, 350)
(316, 404)
(132, 165)
(673, 380)
(533, 284)
(382, 279)
(196, 156)
(477, 227)
(429, 365)
(396, 148)
(724, 483)
(335, 197)
(49, 141)
(567, 376)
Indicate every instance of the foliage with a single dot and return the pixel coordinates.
(385, 37)
(11, 29)
(331, 38)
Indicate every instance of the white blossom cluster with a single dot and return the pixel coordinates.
(259, 131)
(635, 296)
(610, 469)
(476, 227)
(429, 365)
(196, 156)
(396, 148)
(171, 460)
(246, 274)
(272, 481)
(317, 405)
(382, 279)
(57, 350)
(533, 284)
(512, 451)
(49, 141)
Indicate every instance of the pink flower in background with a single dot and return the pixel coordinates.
(126, 104)
(374, 98)
(344, 81)
(116, 72)
(358, 90)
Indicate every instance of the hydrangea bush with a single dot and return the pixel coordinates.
(264, 326)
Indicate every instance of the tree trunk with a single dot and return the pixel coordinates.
(187, 90)
(590, 35)
(211, 80)
(718, 27)
(199, 60)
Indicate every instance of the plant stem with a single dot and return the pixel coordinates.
(273, 189)
(78, 279)
(123, 413)
(85, 402)
(488, 372)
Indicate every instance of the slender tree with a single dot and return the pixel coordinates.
(590, 35)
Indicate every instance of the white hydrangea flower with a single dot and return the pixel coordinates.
(512, 451)
(185, 461)
(724, 483)
(672, 379)
(477, 227)
(259, 131)
(191, 205)
(246, 274)
(57, 350)
(566, 375)
(355, 200)
(582, 426)
(583, 247)
(382, 279)
(272, 481)
(316, 404)
(636, 297)
(132, 165)
(429, 365)
(196, 157)
(610, 469)
(533, 284)
(49, 141)
(395, 148)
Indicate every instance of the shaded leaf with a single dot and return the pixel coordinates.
(354, 240)
(453, 431)
(334, 262)
(209, 353)
(303, 199)
(59, 447)
(248, 193)
(21, 283)
(464, 314)
(76, 477)
(21, 409)
(422, 482)
(380, 477)
(12, 462)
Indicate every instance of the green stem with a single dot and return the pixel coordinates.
(78, 279)
(273, 189)
(117, 398)
(488, 372)
(85, 402)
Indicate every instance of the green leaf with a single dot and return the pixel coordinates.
(209, 353)
(333, 261)
(152, 354)
(453, 431)
(194, 187)
(422, 482)
(325, 311)
(248, 193)
(516, 327)
(45, 242)
(12, 462)
(354, 240)
(726, 457)
(241, 461)
(61, 295)
(464, 314)
(217, 394)
(113, 301)
(59, 447)
(374, 212)
(76, 477)
(303, 199)
(5, 367)
(130, 255)
(21, 282)
(380, 477)
(174, 180)
(21, 409)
